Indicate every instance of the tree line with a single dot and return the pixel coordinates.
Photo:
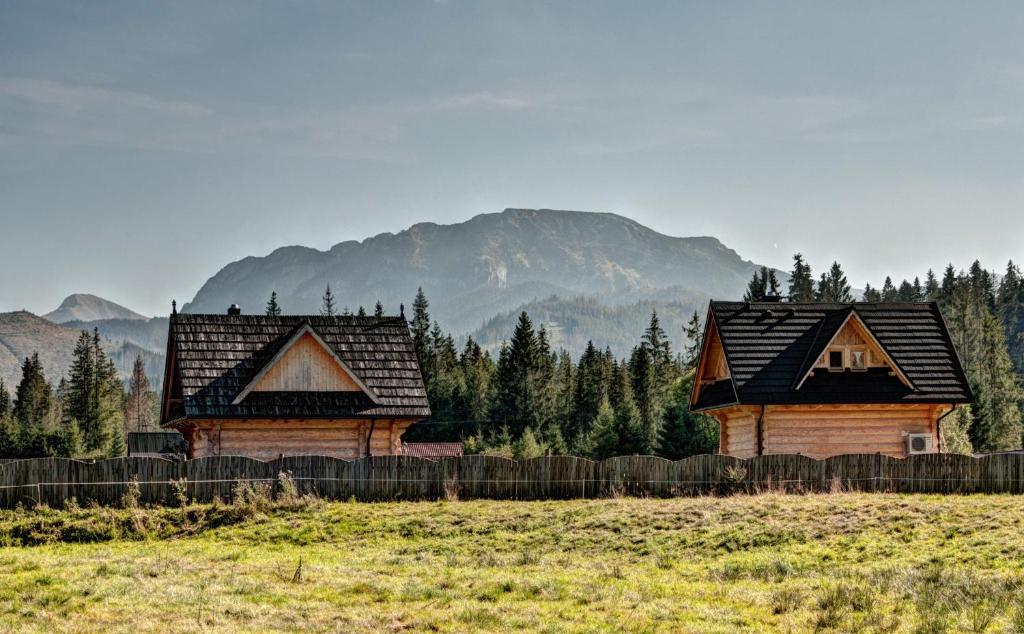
(85, 415)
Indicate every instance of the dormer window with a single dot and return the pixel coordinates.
(835, 360)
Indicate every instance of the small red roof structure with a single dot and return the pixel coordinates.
(432, 450)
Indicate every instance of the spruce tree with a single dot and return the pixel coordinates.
(931, 287)
(646, 397)
(948, 285)
(420, 327)
(32, 407)
(328, 308)
(590, 390)
(694, 334)
(889, 292)
(801, 283)
(273, 309)
(514, 392)
(5, 400)
(139, 404)
(905, 292)
(833, 287)
(757, 287)
(871, 295)
(378, 309)
(918, 291)
(361, 312)
(107, 399)
(684, 433)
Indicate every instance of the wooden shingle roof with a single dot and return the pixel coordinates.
(770, 346)
(216, 356)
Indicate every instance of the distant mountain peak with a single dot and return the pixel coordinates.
(86, 307)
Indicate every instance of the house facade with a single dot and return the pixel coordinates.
(827, 379)
(265, 386)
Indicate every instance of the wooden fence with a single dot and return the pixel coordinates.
(52, 481)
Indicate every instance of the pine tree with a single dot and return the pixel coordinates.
(801, 283)
(918, 291)
(694, 334)
(273, 309)
(328, 308)
(139, 404)
(361, 312)
(378, 309)
(833, 287)
(871, 295)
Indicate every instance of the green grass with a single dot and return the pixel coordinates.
(844, 562)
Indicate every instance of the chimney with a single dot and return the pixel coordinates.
(235, 309)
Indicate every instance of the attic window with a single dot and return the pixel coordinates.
(835, 360)
(857, 359)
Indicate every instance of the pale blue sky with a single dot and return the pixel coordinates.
(145, 145)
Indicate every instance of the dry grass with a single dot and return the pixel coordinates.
(845, 562)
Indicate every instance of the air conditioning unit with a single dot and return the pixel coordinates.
(919, 443)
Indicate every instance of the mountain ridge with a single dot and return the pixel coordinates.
(88, 307)
(489, 264)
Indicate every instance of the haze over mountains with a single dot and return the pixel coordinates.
(582, 275)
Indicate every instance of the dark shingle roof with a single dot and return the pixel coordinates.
(770, 346)
(217, 355)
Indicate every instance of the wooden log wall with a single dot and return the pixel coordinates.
(54, 481)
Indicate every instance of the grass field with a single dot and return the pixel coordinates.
(843, 562)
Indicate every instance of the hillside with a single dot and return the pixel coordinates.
(488, 265)
(22, 333)
(85, 307)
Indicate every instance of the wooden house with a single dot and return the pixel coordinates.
(827, 379)
(261, 386)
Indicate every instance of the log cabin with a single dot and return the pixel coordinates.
(263, 386)
(827, 379)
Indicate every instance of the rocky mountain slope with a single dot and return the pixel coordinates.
(486, 266)
(85, 307)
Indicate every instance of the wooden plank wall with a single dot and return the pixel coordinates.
(53, 481)
(822, 431)
(269, 439)
(307, 367)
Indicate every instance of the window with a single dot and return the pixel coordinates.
(835, 360)
(858, 360)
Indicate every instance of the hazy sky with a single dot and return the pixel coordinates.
(144, 145)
